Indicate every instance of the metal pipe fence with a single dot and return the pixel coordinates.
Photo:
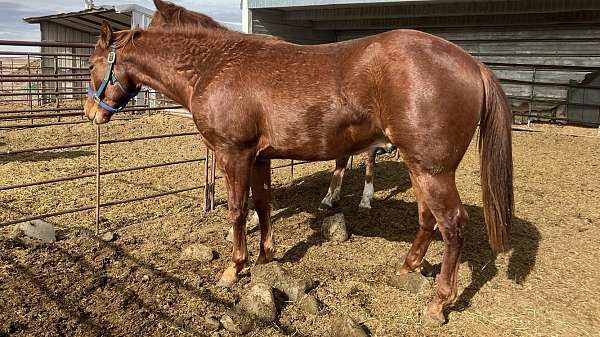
(52, 94)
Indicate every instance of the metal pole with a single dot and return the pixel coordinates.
(97, 178)
(57, 86)
(29, 84)
(292, 169)
(212, 182)
(531, 97)
(351, 162)
(206, 183)
(12, 69)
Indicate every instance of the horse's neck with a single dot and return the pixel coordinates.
(172, 69)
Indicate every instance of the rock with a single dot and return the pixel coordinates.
(86, 233)
(253, 221)
(345, 326)
(211, 323)
(268, 273)
(107, 236)
(197, 252)
(271, 274)
(259, 303)
(251, 224)
(295, 289)
(415, 283)
(37, 229)
(236, 322)
(334, 228)
(310, 304)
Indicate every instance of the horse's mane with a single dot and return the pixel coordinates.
(174, 15)
(127, 37)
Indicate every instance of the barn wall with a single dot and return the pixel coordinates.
(55, 32)
(272, 22)
(558, 33)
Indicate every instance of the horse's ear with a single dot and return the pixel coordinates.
(160, 5)
(106, 35)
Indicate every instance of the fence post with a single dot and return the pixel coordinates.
(206, 183)
(212, 183)
(57, 83)
(97, 178)
(531, 97)
(29, 85)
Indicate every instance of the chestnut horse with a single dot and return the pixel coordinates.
(170, 15)
(254, 99)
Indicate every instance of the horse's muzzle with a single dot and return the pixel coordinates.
(95, 113)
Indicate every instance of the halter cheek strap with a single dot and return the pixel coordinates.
(110, 77)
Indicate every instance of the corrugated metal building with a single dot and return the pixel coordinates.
(82, 27)
(558, 39)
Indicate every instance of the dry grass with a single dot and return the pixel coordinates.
(547, 286)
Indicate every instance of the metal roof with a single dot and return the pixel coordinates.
(255, 4)
(89, 20)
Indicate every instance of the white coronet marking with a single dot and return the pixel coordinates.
(327, 200)
(367, 196)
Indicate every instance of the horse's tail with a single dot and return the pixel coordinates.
(495, 151)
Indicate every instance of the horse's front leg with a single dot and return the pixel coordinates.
(261, 193)
(237, 166)
(335, 186)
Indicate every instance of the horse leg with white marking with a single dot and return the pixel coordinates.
(368, 191)
(335, 186)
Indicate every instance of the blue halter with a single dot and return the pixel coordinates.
(110, 77)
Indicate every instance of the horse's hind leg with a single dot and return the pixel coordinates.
(417, 251)
(441, 196)
(335, 186)
(261, 194)
(368, 190)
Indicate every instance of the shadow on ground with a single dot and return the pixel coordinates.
(396, 220)
(44, 156)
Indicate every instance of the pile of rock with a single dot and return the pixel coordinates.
(258, 304)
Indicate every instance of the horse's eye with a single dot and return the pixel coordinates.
(91, 67)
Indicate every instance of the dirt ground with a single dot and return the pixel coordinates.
(548, 285)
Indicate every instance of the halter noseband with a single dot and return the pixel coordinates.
(110, 77)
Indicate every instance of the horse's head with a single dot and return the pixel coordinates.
(111, 86)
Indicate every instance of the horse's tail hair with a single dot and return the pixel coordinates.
(495, 152)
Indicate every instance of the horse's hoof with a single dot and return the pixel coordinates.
(325, 206)
(228, 279)
(364, 209)
(432, 319)
(263, 259)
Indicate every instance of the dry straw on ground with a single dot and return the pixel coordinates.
(138, 285)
